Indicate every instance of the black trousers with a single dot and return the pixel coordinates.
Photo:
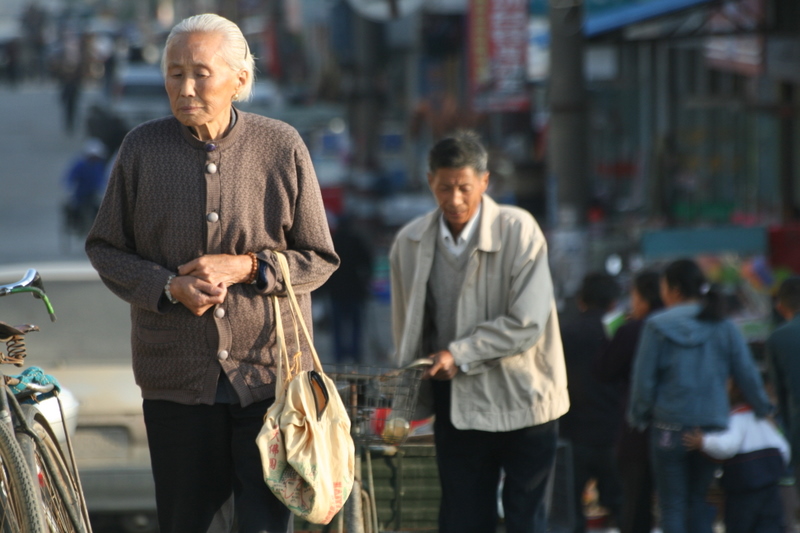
(599, 463)
(470, 463)
(636, 515)
(755, 511)
(206, 464)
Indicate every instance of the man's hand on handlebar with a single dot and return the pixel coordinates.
(443, 368)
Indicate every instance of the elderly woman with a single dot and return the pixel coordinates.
(196, 205)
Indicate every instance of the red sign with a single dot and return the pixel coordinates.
(498, 41)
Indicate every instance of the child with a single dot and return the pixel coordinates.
(755, 457)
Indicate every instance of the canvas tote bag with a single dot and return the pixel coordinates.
(307, 452)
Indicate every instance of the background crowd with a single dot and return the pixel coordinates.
(672, 416)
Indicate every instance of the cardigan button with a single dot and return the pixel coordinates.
(210, 147)
(212, 217)
(219, 312)
(222, 355)
(211, 168)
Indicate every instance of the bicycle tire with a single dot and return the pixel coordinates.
(20, 511)
(59, 494)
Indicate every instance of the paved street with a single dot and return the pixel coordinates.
(35, 152)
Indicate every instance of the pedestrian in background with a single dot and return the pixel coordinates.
(349, 289)
(471, 289)
(196, 206)
(85, 182)
(592, 424)
(632, 450)
(685, 356)
(755, 456)
(69, 66)
(783, 356)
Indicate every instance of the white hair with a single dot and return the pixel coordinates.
(234, 50)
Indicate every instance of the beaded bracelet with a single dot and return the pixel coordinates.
(253, 269)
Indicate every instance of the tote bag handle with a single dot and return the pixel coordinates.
(297, 316)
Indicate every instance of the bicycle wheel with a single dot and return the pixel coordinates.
(19, 505)
(61, 502)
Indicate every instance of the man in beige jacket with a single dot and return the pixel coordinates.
(471, 289)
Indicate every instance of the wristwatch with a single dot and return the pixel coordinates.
(167, 292)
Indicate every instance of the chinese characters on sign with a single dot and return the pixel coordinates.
(498, 40)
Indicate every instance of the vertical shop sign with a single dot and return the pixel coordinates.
(498, 41)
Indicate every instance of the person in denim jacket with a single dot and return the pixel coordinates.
(685, 356)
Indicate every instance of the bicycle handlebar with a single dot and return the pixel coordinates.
(30, 282)
(38, 388)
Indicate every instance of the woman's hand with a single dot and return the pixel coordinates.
(196, 294)
(219, 269)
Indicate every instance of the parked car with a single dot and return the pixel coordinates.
(139, 95)
(88, 350)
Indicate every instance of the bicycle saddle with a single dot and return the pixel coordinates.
(7, 330)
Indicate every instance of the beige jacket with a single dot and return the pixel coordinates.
(508, 339)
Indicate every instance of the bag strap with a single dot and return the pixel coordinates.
(283, 353)
(295, 308)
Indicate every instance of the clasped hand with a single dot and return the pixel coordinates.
(203, 282)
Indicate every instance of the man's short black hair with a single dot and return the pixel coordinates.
(789, 294)
(462, 149)
(648, 285)
(599, 291)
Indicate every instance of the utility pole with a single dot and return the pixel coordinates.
(363, 109)
(568, 183)
(567, 136)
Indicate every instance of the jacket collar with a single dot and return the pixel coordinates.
(230, 138)
(488, 226)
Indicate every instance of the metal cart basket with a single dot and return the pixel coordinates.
(381, 404)
(380, 401)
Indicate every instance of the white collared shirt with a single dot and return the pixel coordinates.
(458, 245)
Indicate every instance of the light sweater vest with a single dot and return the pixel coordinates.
(444, 287)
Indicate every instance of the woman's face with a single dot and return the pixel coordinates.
(639, 306)
(200, 84)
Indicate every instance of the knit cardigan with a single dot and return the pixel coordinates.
(172, 198)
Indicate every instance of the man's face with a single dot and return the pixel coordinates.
(458, 192)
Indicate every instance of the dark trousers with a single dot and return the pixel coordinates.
(470, 463)
(755, 511)
(70, 92)
(636, 476)
(599, 463)
(206, 464)
(347, 326)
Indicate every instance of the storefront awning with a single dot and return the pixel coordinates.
(600, 18)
